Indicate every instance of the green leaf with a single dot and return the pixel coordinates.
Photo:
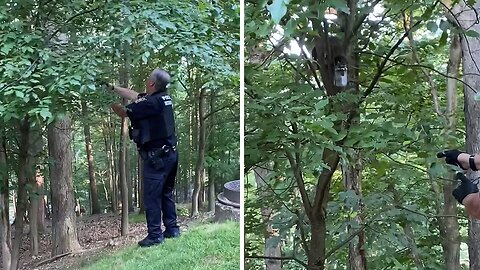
(339, 5)
(428, 13)
(472, 33)
(19, 94)
(443, 39)
(277, 9)
(145, 56)
(45, 114)
(7, 47)
(290, 27)
(321, 104)
(166, 24)
(444, 25)
(432, 26)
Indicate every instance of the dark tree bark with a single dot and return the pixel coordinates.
(140, 185)
(211, 149)
(124, 79)
(467, 18)
(199, 167)
(261, 178)
(24, 128)
(111, 169)
(35, 147)
(64, 226)
(5, 235)
(91, 164)
(123, 176)
(352, 180)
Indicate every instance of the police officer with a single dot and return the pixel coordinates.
(467, 192)
(153, 130)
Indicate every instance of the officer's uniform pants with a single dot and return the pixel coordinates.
(158, 196)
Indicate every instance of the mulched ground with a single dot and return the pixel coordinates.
(97, 234)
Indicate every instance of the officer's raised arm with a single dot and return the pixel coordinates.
(119, 109)
(124, 92)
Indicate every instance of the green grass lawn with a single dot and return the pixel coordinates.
(206, 247)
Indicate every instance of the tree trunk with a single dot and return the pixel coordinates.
(199, 167)
(110, 165)
(352, 180)
(272, 247)
(123, 147)
(39, 180)
(471, 53)
(64, 227)
(22, 190)
(211, 191)
(123, 177)
(211, 149)
(141, 205)
(185, 191)
(316, 256)
(35, 147)
(5, 236)
(128, 176)
(91, 164)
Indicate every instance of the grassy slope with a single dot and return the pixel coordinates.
(206, 247)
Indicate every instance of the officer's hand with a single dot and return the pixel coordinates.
(451, 157)
(465, 188)
(104, 83)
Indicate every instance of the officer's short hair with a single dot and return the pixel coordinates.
(161, 78)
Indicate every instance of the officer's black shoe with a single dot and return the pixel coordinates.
(171, 235)
(148, 242)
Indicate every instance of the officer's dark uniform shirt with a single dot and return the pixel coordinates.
(153, 116)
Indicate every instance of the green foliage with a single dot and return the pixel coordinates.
(396, 135)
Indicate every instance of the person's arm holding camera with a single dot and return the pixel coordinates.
(467, 192)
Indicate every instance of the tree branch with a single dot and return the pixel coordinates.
(220, 109)
(385, 61)
(428, 67)
(407, 25)
(299, 178)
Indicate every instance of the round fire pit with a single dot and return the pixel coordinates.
(228, 202)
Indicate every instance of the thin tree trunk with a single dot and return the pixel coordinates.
(471, 54)
(352, 180)
(211, 190)
(110, 166)
(211, 149)
(35, 147)
(5, 236)
(261, 178)
(22, 191)
(128, 176)
(122, 176)
(91, 164)
(64, 227)
(124, 78)
(185, 191)
(39, 180)
(199, 167)
(140, 185)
